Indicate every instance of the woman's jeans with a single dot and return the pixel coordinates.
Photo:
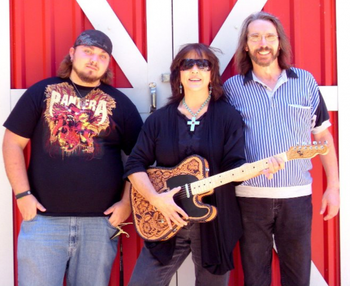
(149, 271)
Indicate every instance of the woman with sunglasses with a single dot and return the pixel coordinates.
(196, 120)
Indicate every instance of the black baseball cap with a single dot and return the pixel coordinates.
(94, 38)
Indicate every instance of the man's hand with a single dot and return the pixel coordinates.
(28, 206)
(275, 164)
(331, 201)
(119, 212)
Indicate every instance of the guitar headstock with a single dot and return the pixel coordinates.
(307, 151)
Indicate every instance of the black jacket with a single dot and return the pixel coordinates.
(223, 147)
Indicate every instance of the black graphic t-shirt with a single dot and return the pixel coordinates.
(76, 142)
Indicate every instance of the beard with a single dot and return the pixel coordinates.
(254, 56)
(86, 76)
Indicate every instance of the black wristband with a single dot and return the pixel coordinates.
(21, 195)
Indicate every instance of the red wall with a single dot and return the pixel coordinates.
(42, 32)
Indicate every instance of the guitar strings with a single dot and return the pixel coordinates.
(182, 193)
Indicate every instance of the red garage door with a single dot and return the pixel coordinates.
(42, 32)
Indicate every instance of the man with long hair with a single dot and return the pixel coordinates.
(281, 106)
(71, 197)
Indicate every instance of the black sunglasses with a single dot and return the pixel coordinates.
(202, 64)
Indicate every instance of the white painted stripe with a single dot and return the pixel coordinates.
(328, 92)
(125, 52)
(330, 96)
(185, 23)
(343, 64)
(316, 278)
(227, 37)
(159, 47)
(6, 218)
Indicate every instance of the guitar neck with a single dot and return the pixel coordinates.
(234, 175)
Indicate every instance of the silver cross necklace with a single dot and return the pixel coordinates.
(193, 122)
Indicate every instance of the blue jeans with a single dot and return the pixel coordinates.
(79, 247)
(149, 271)
(289, 220)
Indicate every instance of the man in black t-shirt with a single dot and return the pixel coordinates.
(71, 197)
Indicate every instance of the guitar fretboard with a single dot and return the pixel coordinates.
(234, 175)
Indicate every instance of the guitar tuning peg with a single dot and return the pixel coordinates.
(314, 142)
(304, 145)
(326, 142)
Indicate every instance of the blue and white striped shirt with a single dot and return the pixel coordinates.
(275, 121)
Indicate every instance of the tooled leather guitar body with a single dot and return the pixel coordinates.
(150, 223)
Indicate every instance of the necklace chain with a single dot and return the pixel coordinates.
(193, 122)
(77, 90)
(199, 110)
(82, 100)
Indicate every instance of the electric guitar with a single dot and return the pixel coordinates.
(192, 175)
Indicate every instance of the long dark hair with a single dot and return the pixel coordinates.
(202, 51)
(243, 62)
(66, 66)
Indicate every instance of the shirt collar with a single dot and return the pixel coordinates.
(249, 75)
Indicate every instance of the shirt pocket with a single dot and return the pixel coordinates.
(299, 118)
